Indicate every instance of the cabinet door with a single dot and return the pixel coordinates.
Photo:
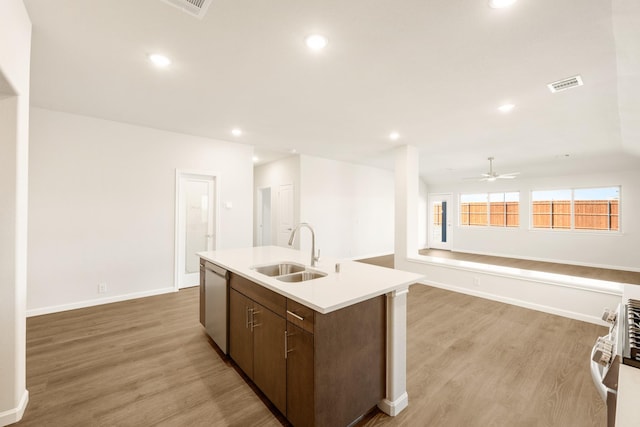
(240, 337)
(300, 375)
(269, 363)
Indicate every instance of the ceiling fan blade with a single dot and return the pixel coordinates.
(506, 176)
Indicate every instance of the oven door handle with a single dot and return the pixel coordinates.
(597, 374)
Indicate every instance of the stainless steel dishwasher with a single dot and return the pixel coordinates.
(216, 315)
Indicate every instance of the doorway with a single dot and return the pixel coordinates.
(440, 221)
(196, 223)
(285, 214)
(263, 217)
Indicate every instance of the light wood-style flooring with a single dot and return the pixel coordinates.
(147, 362)
(621, 276)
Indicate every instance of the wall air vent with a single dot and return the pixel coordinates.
(196, 8)
(565, 84)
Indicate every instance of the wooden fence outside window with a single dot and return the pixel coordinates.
(588, 214)
(437, 214)
(502, 214)
(556, 214)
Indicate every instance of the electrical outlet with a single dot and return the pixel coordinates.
(102, 288)
(476, 282)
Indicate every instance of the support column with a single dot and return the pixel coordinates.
(406, 244)
(407, 192)
(396, 396)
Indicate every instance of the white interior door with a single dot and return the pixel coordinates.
(285, 214)
(440, 221)
(196, 224)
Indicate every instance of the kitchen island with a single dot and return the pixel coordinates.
(329, 334)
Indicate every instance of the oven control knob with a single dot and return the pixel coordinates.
(602, 356)
(609, 315)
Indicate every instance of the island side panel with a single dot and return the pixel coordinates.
(350, 360)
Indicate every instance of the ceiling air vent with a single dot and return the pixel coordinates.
(195, 8)
(565, 84)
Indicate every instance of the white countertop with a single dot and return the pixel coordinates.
(354, 283)
(627, 408)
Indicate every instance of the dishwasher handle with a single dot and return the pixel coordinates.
(219, 271)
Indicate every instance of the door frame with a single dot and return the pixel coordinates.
(260, 193)
(450, 213)
(178, 215)
(279, 215)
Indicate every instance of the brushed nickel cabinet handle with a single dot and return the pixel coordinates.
(253, 319)
(296, 316)
(285, 345)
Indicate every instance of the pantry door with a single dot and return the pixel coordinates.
(196, 223)
(440, 221)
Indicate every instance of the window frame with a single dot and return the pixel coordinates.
(572, 212)
(504, 213)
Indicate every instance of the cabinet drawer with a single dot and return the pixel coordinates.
(269, 299)
(300, 315)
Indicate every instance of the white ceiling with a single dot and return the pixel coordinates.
(434, 71)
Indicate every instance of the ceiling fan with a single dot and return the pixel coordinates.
(492, 175)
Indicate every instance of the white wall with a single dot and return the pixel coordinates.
(604, 249)
(102, 207)
(351, 208)
(15, 50)
(273, 175)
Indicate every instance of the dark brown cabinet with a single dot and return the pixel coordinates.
(317, 369)
(300, 404)
(257, 337)
(269, 363)
(240, 336)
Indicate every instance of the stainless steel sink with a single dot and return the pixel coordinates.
(301, 276)
(279, 269)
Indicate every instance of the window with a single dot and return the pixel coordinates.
(490, 209)
(473, 209)
(437, 213)
(551, 209)
(576, 209)
(504, 209)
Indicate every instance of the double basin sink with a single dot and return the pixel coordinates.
(289, 272)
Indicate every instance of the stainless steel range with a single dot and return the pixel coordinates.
(605, 360)
(631, 343)
(620, 345)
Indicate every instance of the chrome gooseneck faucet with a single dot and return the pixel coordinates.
(314, 258)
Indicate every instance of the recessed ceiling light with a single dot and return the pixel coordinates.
(256, 159)
(506, 108)
(236, 132)
(316, 42)
(500, 4)
(394, 136)
(159, 60)
(293, 151)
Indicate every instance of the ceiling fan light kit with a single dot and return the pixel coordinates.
(491, 176)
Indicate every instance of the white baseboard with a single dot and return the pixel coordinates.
(394, 408)
(97, 301)
(520, 303)
(14, 415)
